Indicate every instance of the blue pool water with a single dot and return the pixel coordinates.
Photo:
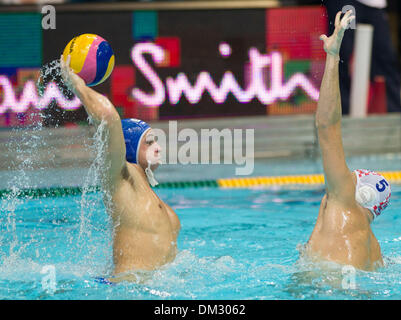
(234, 244)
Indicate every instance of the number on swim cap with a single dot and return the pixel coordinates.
(383, 183)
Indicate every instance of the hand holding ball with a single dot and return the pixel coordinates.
(91, 58)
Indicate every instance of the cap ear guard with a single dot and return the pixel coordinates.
(365, 196)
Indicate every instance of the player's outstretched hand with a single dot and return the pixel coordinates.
(332, 44)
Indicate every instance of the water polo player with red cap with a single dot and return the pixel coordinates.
(342, 233)
(145, 228)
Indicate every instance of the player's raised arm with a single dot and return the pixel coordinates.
(96, 105)
(339, 182)
(99, 108)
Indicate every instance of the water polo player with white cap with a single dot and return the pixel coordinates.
(353, 200)
(145, 229)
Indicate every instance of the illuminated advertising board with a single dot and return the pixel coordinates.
(171, 64)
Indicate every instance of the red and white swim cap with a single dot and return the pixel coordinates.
(372, 191)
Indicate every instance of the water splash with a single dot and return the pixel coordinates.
(27, 151)
(93, 178)
(48, 72)
(23, 148)
(91, 201)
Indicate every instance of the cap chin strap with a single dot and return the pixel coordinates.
(150, 175)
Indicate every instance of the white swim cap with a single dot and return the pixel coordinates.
(372, 191)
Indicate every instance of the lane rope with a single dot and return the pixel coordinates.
(311, 179)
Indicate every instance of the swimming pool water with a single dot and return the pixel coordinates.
(234, 244)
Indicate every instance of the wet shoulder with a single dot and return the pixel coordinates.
(345, 217)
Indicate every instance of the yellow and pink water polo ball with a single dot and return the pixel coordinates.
(91, 58)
